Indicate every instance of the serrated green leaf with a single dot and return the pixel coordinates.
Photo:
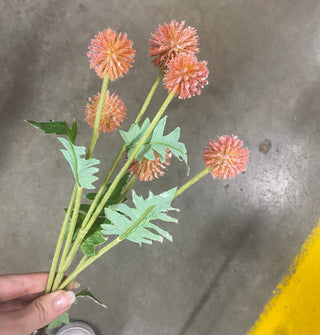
(90, 242)
(123, 218)
(134, 134)
(59, 321)
(156, 142)
(116, 194)
(57, 128)
(87, 294)
(82, 169)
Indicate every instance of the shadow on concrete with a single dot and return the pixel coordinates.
(241, 239)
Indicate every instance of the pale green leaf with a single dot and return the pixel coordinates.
(134, 134)
(83, 169)
(135, 224)
(157, 142)
(87, 294)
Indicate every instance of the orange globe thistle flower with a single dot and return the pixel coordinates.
(110, 54)
(171, 40)
(226, 158)
(113, 112)
(186, 76)
(148, 170)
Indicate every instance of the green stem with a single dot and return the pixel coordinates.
(95, 133)
(84, 263)
(138, 119)
(125, 192)
(85, 228)
(94, 137)
(122, 150)
(149, 97)
(102, 251)
(192, 181)
(69, 238)
(60, 240)
(83, 259)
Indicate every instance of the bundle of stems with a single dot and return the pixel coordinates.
(70, 249)
(111, 55)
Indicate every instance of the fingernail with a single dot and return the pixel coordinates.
(64, 300)
(76, 284)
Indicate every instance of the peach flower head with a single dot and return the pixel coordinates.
(148, 170)
(227, 157)
(186, 76)
(113, 112)
(171, 40)
(111, 54)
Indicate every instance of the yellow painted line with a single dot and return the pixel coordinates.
(295, 306)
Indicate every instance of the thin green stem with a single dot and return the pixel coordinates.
(192, 181)
(72, 226)
(149, 97)
(85, 228)
(102, 251)
(95, 133)
(60, 240)
(125, 192)
(83, 259)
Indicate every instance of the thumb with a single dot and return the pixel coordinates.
(40, 312)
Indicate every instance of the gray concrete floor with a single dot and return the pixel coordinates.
(235, 239)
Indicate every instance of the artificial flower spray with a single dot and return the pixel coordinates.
(95, 222)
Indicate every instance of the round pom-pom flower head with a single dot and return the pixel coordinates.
(227, 157)
(171, 40)
(113, 112)
(111, 54)
(186, 76)
(148, 170)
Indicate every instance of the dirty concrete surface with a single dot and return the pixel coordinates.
(236, 238)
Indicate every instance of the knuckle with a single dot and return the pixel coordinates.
(41, 310)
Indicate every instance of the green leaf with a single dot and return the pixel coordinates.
(134, 224)
(73, 132)
(59, 321)
(90, 242)
(80, 219)
(116, 194)
(57, 128)
(87, 294)
(82, 169)
(135, 133)
(85, 209)
(93, 236)
(156, 142)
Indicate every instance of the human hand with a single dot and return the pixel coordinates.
(23, 306)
